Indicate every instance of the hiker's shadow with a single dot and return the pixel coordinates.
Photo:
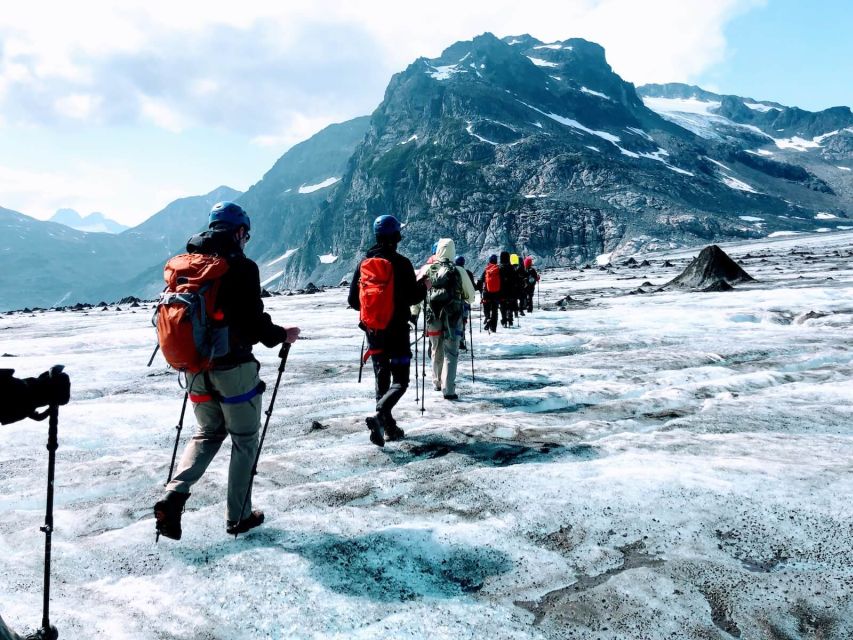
(389, 565)
(494, 453)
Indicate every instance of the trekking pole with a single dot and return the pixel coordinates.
(46, 632)
(285, 349)
(417, 399)
(471, 332)
(538, 296)
(423, 364)
(360, 363)
(154, 353)
(178, 429)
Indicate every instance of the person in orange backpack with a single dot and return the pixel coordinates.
(382, 289)
(225, 389)
(490, 288)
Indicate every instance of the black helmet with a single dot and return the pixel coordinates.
(228, 214)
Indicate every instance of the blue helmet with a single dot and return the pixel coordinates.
(386, 227)
(493, 259)
(460, 261)
(228, 214)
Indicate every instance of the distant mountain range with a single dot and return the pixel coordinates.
(538, 148)
(53, 264)
(93, 223)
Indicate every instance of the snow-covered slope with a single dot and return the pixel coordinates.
(637, 466)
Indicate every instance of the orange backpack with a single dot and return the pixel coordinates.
(493, 278)
(376, 293)
(190, 329)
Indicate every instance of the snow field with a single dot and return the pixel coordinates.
(635, 466)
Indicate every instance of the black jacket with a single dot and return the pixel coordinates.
(239, 298)
(407, 291)
(509, 278)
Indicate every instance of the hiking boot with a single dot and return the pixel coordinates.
(436, 386)
(393, 432)
(41, 634)
(451, 396)
(377, 436)
(463, 346)
(167, 514)
(255, 519)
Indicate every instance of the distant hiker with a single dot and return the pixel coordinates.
(531, 278)
(382, 290)
(225, 390)
(431, 258)
(460, 262)
(509, 289)
(19, 399)
(490, 293)
(451, 289)
(520, 287)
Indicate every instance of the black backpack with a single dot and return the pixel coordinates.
(445, 296)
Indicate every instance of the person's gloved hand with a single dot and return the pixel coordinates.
(52, 389)
(292, 334)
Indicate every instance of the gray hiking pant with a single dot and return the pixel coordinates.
(445, 355)
(216, 420)
(6, 633)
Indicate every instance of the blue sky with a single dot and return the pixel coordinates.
(795, 52)
(123, 107)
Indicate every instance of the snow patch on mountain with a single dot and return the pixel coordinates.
(575, 124)
(272, 278)
(824, 215)
(640, 133)
(328, 258)
(542, 63)
(796, 143)
(470, 130)
(681, 105)
(734, 183)
(597, 94)
(284, 256)
(443, 72)
(763, 108)
(555, 46)
(311, 188)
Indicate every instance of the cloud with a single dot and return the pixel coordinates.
(84, 187)
(80, 106)
(264, 69)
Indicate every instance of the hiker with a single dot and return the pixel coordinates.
(18, 400)
(460, 262)
(509, 287)
(519, 303)
(531, 278)
(490, 293)
(382, 290)
(451, 289)
(226, 397)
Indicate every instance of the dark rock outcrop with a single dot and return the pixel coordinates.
(711, 270)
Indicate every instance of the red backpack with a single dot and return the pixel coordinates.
(493, 278)
(376, 293)
(190, 329)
